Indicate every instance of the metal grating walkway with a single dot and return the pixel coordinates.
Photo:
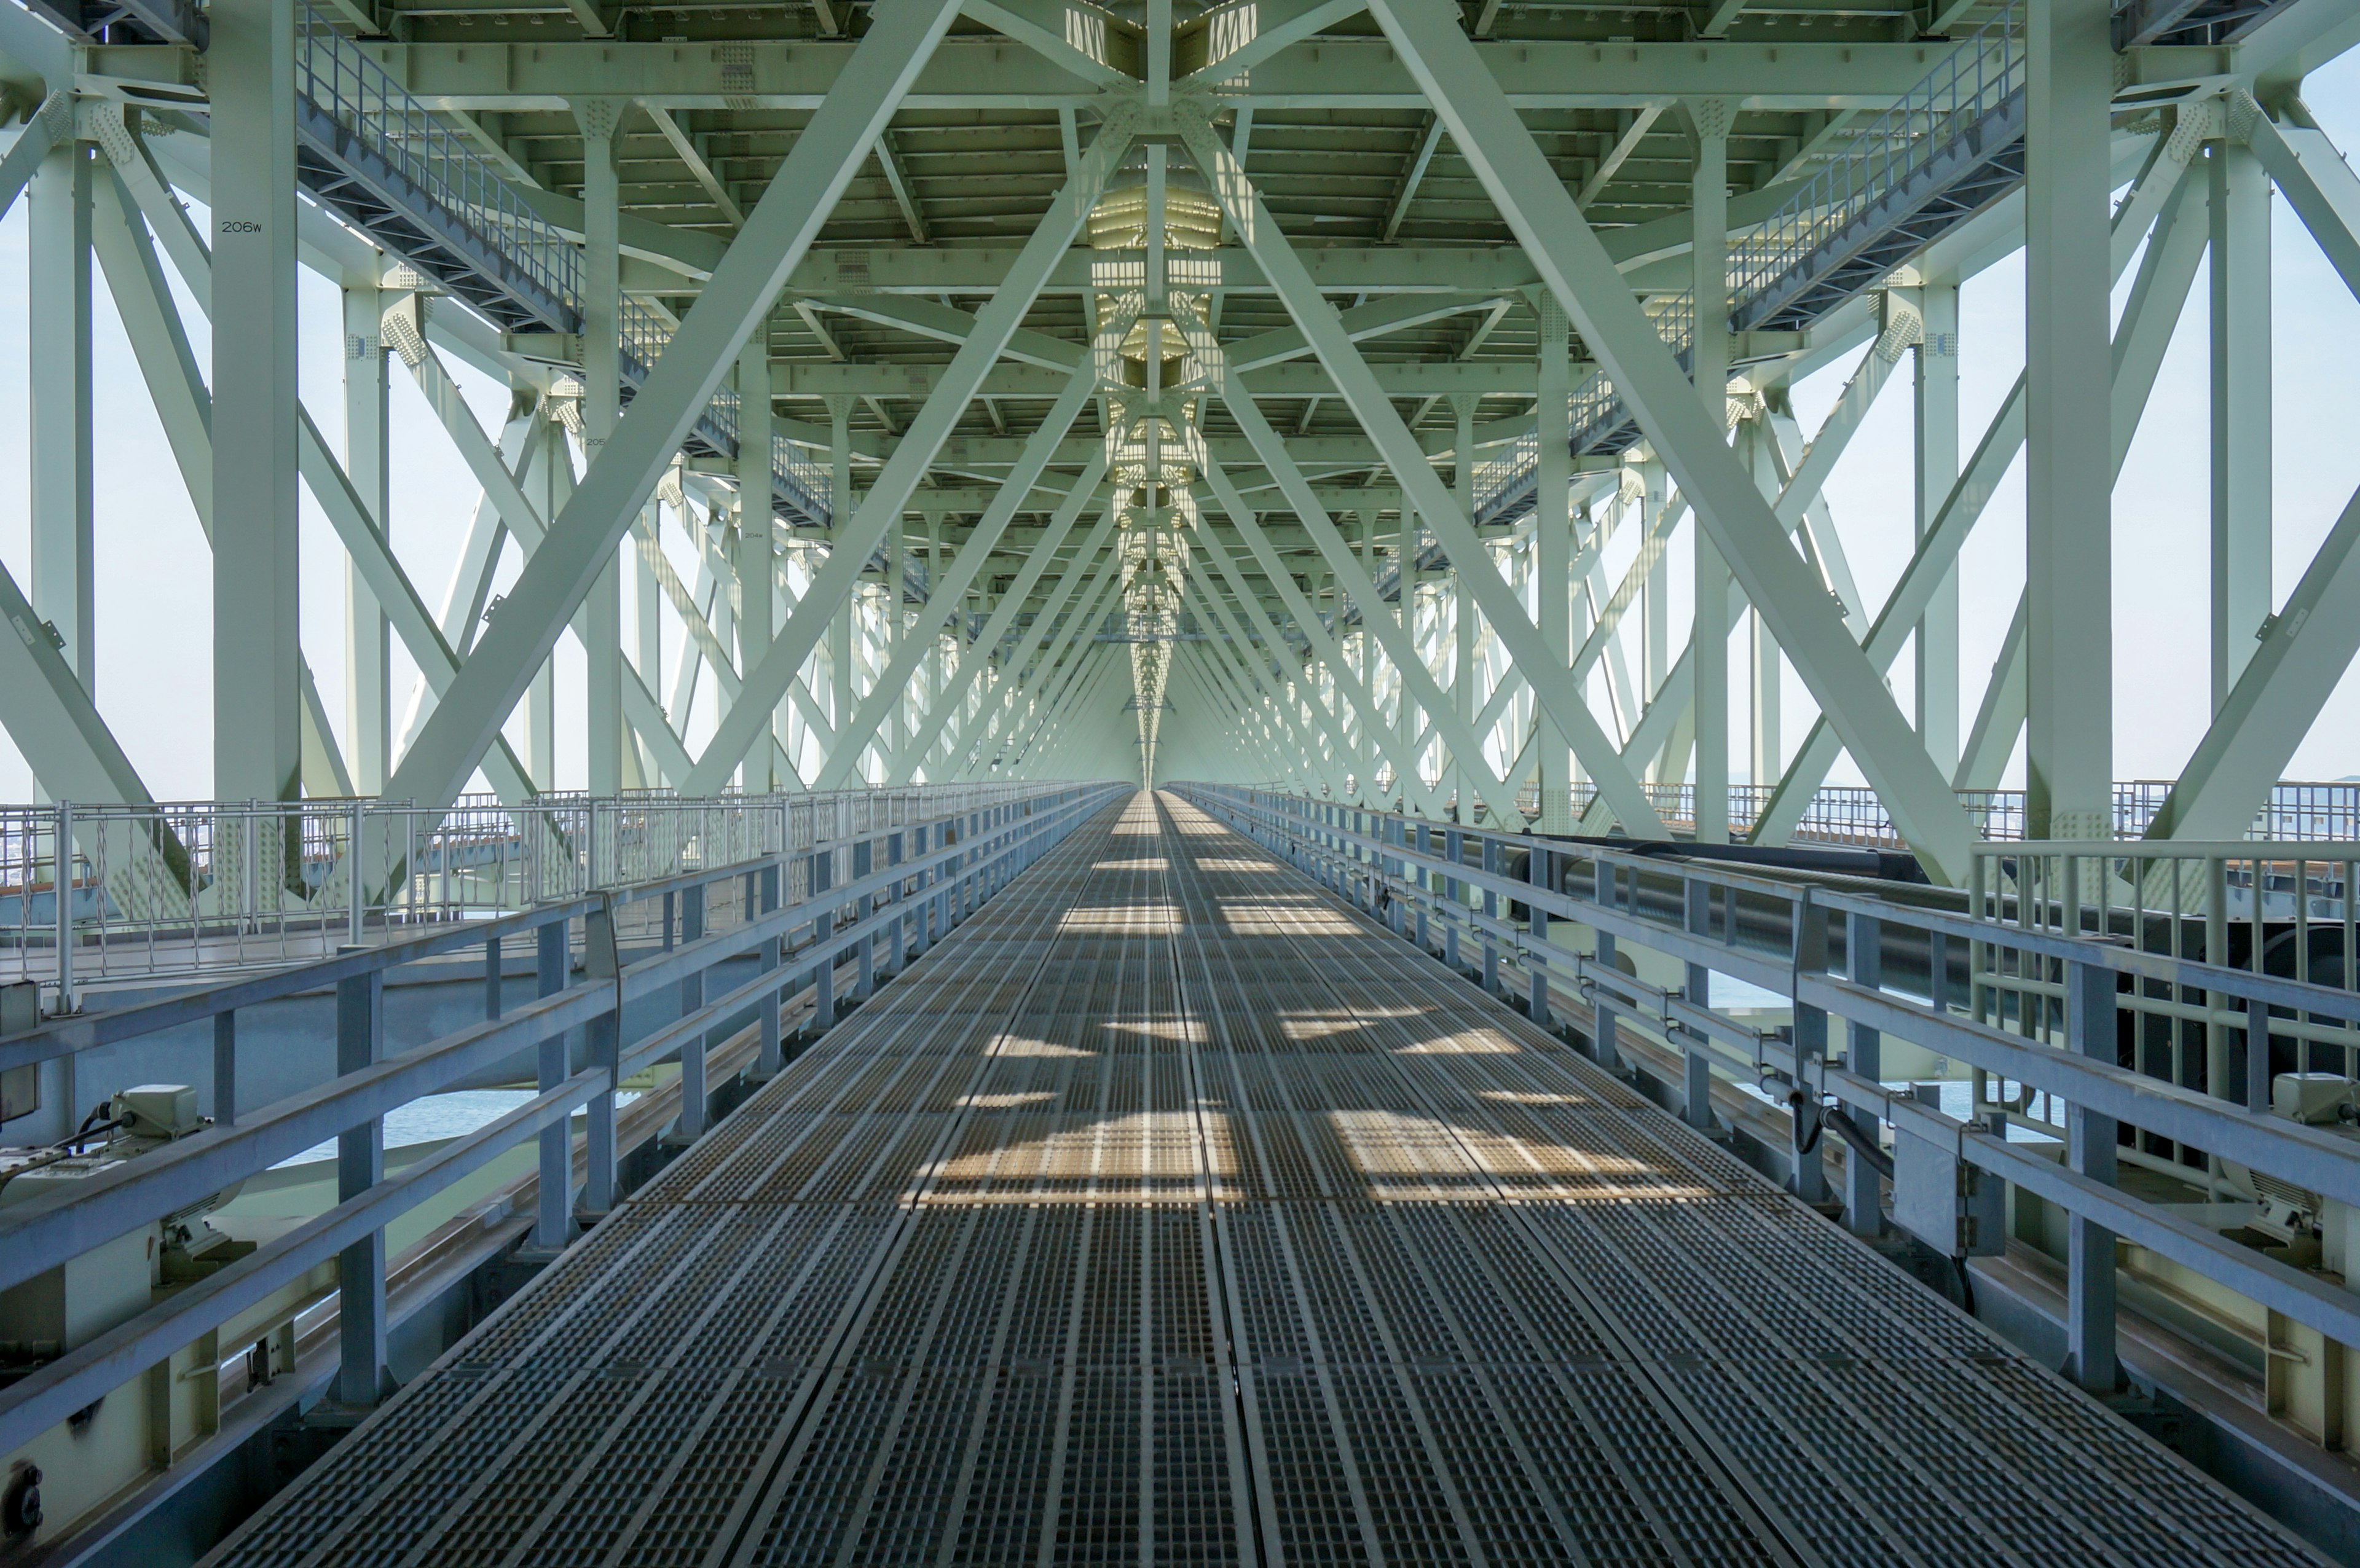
(1167, 1214)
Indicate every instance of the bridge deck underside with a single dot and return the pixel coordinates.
(1166, 1212)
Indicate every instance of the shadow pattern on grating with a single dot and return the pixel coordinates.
(1167, 1212)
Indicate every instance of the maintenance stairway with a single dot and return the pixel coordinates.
(1169, 1213)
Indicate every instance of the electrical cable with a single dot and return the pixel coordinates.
(1860, 1143)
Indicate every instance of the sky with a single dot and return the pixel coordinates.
(153, 678)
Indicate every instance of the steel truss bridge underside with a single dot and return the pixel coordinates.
(916, 406)
(971, 353)
(1169, 1213)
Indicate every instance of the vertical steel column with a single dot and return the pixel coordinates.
(1463, 615)
(1553, 555)
(1936, 407)
(753, 560)
(1764, 667)
(57, 267)
(2090, 1151)
(768, 1064)
(362, 1377)
(257, 750)
(1696, 1084)
(1491, 910)
(1806, 1147)
(1654, 605)
(839, 629)
(921, 906)
(1454, 848)
(600, 962)
(2068, 360)
(896, 733)
(599, 119)
(225, 1068)
(864, 856)
(2242, 496)
(1604, 1040)
(899, 898)
(693, 1094)
(553, 1215)
(821, 877)
(1864, 1055)
(368, 646)
(1709, 203)
(1536, 874)
(540, 707)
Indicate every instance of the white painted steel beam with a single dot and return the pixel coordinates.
(1353, 578)
(1402, 454)
(2069, 504)
(256, 737)
(1348, 683)
(860, 536)
(1484, 125)
(2243, 460)
(1088, 575)
(901, 35)
(2167, 270)
(976, 657)
(945, 595)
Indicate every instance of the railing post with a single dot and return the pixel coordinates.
(1695, 1095)
(920, 938)
(1864, 1055)
(1810, 1180)
(768, 1064)
(1491, 910)
(693, 1089)
(864, 860)
(61, 881)
(359, 916)
(556, 1142)
(603, 1042)
(1604, 1047)
(897, 897)
(1452, 850)
(823, 878)
(362, 1376)
(2089, 1002)
(225, 1068)
(492, 961)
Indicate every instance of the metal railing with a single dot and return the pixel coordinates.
(2306, 812)
(902, 889)
(205, 887)
(338, 79)
(1861, 975)
(1970, 82)
(2280, 909)
(642, 337)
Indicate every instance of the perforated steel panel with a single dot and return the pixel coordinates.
(1166, 1212)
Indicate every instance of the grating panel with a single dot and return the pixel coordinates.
(1164, 1211)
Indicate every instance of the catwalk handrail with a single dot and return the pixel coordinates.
(1358, 852)
(339, 79)
(955, 864)
(1969, 82)
(152, 889)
